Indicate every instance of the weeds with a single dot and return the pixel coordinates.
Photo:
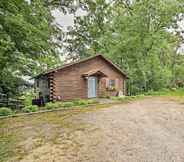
(31, 108)
(4, 111)
(166, 92)
(127, 98)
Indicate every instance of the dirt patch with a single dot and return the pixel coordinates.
(150, 130)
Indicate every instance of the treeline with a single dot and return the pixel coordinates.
(141, 36)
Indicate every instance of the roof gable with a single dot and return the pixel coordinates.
(81, 61)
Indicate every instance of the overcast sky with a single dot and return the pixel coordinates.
(68, 19)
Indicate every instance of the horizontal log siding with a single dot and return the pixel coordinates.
(69, 83)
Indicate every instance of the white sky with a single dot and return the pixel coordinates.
(66, 20)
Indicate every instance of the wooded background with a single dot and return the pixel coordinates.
(141, 36)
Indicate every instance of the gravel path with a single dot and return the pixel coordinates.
(150, 130)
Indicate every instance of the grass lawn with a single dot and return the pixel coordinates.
(20, 135)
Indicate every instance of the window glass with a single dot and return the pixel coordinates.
(111, 83)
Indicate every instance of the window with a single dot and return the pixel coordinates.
(111, 83)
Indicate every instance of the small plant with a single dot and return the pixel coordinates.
(92, 101)
(118, 98)
(68, 104)
(80, 102)
(4, 111)
(48, 106)
(31, 108)
(53, 105)
(27, 97)
(83, 102)
(167, 92)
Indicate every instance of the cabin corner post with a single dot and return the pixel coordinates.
(52, 86)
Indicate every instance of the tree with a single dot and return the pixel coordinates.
(26, 34)
(135, 36)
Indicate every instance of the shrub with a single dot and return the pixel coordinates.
(83, 102)
(4, 111)
(27, 97)
(80, 102)
(31, 108)
(49, 106)
(68, 104)
(53, 105)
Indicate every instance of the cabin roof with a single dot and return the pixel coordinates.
(80, 61)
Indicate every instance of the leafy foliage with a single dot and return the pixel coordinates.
(51, 105)
(4, 111)
(167, 92)
(26, 35)
(27, 97)
(135, 36)
(68, 104)
(31, 108)
(84, 102)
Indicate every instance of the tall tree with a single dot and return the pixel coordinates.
(134, 34)
(26, 34)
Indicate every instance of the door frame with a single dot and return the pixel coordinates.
(94, 85)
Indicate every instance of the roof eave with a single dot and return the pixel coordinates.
(86, 59)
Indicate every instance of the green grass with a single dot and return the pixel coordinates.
(166, 92)
(14, 131)
(127, 99)
(174, 94)
(69, 104)
(82, 103)
(7, 146)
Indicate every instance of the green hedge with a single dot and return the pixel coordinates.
(4, 111)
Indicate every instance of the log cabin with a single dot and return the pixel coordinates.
(92, 77)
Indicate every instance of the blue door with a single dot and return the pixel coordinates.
(92, 87)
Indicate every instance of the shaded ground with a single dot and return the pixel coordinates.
(149, 130)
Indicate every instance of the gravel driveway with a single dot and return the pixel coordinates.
(150, 130)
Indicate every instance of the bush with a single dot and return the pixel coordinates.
(80, 102)
(68, 104)
(31, 108)
(53, 105)
(83, 102)
(49, 106)
(4, 111)
(27, 97)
